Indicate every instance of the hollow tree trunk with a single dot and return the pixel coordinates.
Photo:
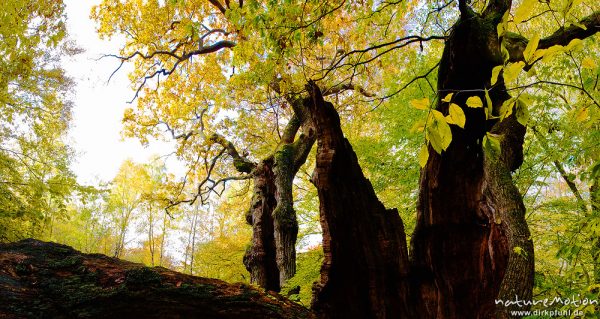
(365, 266)
(470, 216)
(260, 256)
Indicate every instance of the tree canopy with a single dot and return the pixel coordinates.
(35, 114)
(477, 120)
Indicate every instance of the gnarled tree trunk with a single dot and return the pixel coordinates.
(260, 256)
(287, 161)
(471, 244)
(365, 267)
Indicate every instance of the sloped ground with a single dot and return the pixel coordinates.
(48, 280)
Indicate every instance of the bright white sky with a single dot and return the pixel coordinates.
(98, 105)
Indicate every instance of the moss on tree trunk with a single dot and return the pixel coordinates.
(47, 280)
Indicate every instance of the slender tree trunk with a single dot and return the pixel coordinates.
(260, 258)
(365, 267)
(162, 240)
(471, 244)
(595, 203)
(151, 235)
(193, 248)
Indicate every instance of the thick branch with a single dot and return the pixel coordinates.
(242, 164)
(218, 5)
(289, 133)
(345, 87)
(516, 43)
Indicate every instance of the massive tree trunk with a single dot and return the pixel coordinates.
(47, 280)
(471, 244)
(365, 267)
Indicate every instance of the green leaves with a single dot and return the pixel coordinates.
(522, 113)
(491, 144)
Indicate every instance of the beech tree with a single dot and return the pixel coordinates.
(35, 114)
(302, 64)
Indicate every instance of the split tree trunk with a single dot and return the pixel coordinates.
(471, 244)
(365, 266)
(271, 260)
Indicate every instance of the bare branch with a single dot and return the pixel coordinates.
(389, 46)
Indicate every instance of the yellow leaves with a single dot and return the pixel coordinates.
(588, 63)
(502, 26)
(575, 44)
(551, 52)
(474, 101)
(438, 131)
(506, 108)
(511, 72)
(518, 250)
(128, 115)
(489, 105)
(419, 126)
(582, 114)
(448, 97)
(531, 47)
(420, 104)
(423, 155)
(457, 116)
(524, 10)
(495, 72)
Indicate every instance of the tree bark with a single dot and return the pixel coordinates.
(47, 280)
(272, 214)
(260, 258)
(365, 266)
(470, 216)
(287, 161)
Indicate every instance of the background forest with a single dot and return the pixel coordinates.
(222, 82)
